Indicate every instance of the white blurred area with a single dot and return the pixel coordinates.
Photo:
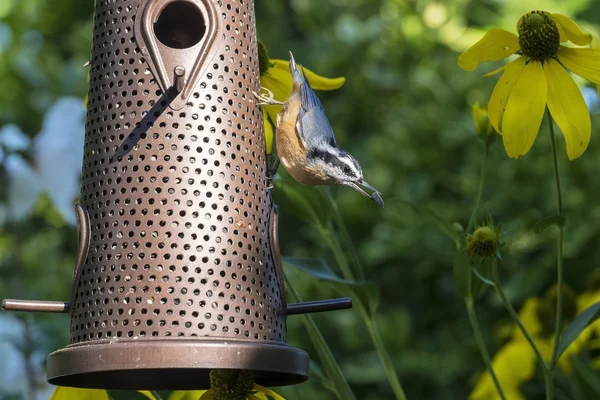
(14, 379)
(49, 163)
(56, 153)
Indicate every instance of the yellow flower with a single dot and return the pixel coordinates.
(514, 365)
(275, 75)
(70, 393)
(516, 361)
(538, 79)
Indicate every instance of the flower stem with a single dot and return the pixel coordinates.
(480, 188)
(385, 359)
(345, 235)
(330, 365)
(514, 315)
(549, 383)
(559, 249)
(481, 344)
(384, 356)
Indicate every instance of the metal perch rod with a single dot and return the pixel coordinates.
(63, 306)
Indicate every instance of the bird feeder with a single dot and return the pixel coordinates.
(178, 268)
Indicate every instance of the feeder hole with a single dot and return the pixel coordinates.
(180, 25)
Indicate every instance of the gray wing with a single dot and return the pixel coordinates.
(313, 126)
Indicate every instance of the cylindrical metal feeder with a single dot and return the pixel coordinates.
(178, 270)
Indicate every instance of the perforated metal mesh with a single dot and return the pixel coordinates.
(179, 210)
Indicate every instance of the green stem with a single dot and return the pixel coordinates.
(338, 254)
(481, 344)
(388, 367)
(514, 315)
(343, 390)
(559, 248)
(339, 221)
(480, 188)
(384, 356)
(549, 383)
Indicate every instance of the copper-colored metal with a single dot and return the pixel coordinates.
(178, 269)
(179, 78)
(35, 306)
(182, 45)
(180, 263)
(164, 365)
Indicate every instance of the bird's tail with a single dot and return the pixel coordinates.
(297, 75)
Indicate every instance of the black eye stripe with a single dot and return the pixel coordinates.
(335, 161)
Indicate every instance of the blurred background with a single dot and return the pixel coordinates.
(404, 113)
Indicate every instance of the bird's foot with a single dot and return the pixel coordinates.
(266, 99)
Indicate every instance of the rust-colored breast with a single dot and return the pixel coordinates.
(291, 150)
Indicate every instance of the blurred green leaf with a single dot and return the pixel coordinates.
(342, 389)
(450, 229)
(581, 321)
(308, 203)
(366, 293)
(462, 273)
(485, 270)
(545, 223)
(588, 379)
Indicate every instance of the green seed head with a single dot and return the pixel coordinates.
(483, 242)
(231, 384)
(538, 35)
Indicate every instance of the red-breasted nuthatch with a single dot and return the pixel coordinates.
(305, 142)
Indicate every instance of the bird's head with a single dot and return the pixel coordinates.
(341, 168)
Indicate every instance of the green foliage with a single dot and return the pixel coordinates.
(405, 114)
(582, 321)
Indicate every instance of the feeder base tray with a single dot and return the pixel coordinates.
(172, 364)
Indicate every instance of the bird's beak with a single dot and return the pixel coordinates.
(375, 196)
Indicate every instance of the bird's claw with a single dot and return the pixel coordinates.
(266, 99)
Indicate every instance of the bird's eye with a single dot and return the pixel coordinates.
(346, 170)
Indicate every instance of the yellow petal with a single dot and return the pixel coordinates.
(269, 134)
(187, 394)
(529, 318)
(503, 88)
(147, 394)
(568, 109)
(595, 45)
(318, 82)
(495, 45)
(583, 62)
(572, 31)
(268, 392)
(496, 71)
(524, 110)
(278, 80)
(70, 393)
(208, 395)
(514, 365)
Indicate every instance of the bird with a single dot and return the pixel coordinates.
(306, 144)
